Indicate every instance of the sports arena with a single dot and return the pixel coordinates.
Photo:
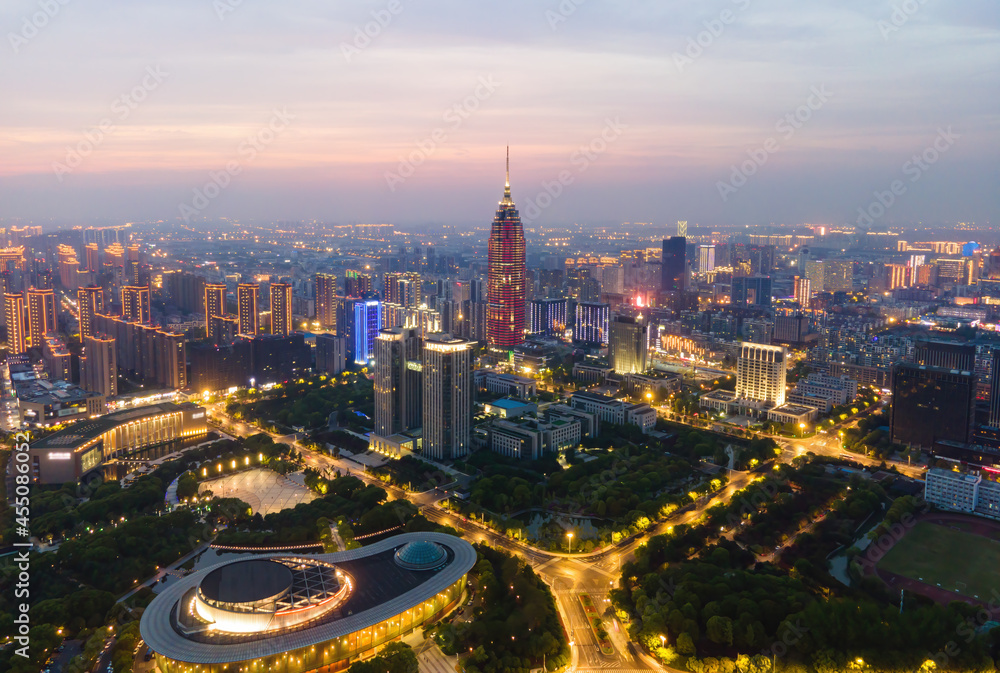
(295, 613)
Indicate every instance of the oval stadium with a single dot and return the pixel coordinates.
(295, 613)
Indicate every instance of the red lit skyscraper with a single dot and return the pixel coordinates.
(505, 295)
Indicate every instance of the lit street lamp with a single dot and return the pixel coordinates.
(570, 536)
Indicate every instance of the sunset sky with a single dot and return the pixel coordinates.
(451, 83)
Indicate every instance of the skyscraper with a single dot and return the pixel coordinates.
(506, 285)
(931, 404)
(760, 374)
(326, 300)
(89, 302)
(674, 264)
(215, 306)
(547, 317)
(628, 345)
(754, 291)
(13, 305)
(839, 275)
(246, 305)
(41, 314)
(357, 284)
(706, 258)
(803, 291)
(135, 304)
(398, 385)
(447, 404)
(367, 321)
(994, 420)
(281, 309)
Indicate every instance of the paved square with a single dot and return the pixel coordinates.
(264, 490)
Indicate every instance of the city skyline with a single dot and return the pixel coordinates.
(671, 97)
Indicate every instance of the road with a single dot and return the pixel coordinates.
(594, 574)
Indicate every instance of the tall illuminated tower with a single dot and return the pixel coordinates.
(17, 341)
(281, 309)
(506, 288)
(215, 306)
(246, 300)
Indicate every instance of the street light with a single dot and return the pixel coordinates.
(570, 536)
(802, 429)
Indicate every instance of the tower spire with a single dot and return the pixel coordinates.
(506, 189)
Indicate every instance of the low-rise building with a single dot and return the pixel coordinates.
(841, 389)
(531, 438)
(508, 408)
(962, 492)
(591, 373)
(792, 413)
(43, 403)
(590, 424)
(611, 410)
(508, 385)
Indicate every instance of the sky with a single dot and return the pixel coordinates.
(711, 111)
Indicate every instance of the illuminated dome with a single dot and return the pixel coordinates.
(420, 555)
(258, 595)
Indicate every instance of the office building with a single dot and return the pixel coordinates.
(507, 276)
(365, 323)
(219, 367)
(971, 491)
(706, 258)
(17, 336)
(89, 302)
(628, 345)
(791, 329)
(547, 318)
(326, 300)
(931, 404)
(611, 410)
(278, 358)
(674, 265)
(752, 291)
(281, 309)
(331, 353)
(591, 323)
(41, 315)
(447, 397)
(215, 306)
(760, 374)
(99, 365)
(246, 306)
(136, 304)
(398, 385)
(945, 354)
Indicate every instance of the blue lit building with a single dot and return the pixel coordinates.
(547, 317)
(364, 327)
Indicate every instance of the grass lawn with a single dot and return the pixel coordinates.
(951, 559)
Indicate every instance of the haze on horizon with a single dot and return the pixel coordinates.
(450, 84)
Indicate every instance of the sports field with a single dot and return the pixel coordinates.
(941, 556)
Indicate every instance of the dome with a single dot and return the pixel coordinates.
(247, 582)
(420, 555)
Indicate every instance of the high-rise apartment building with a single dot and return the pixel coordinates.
(447, 398)
(136, 304)
(89, 302)
(398, 384)
(41, 315)
(760, 374)
(803, 291)
(281, 309)
(17, 337)
(591, 323)
(506, 284)
(357, 284)
(93, 257)
(838, 275)
(404, 289)
(628, 345)
(99, 365)
(706, 258)
(815, 271)
(326, 300)
(215, 307)
(674, 269)
(246, 306)
(331, 353)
